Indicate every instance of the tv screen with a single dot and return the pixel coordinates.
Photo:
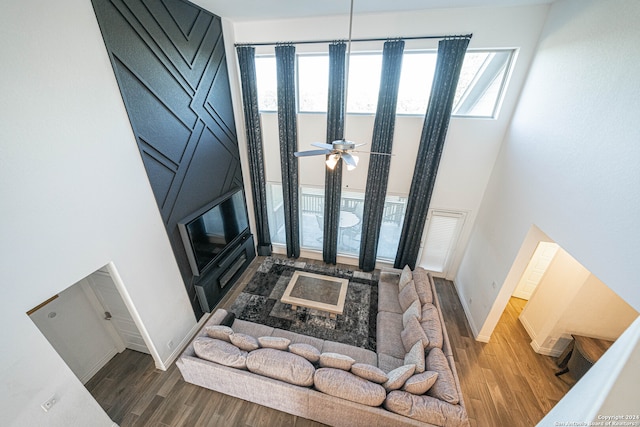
(207, 234)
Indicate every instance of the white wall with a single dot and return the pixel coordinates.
(569, 163)
(571, 300)
(75, 197)
(472, 144)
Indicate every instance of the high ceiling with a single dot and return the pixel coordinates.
(274, 9)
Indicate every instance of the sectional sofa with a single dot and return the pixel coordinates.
(411, 379)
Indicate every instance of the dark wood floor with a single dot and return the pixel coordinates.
(504, 382)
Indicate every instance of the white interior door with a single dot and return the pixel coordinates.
(443, 229)
(542, 257)
(75, 331)
(111, 300)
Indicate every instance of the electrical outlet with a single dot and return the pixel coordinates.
(47, 405)
(170, 344)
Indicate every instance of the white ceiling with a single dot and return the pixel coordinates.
(275, 9)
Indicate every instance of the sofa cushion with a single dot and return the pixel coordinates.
(405, 277)
(420, 383)
(389, 327)
(296, 338)
(345, 385)
(414, 310)
(244, 342)
(389, 363)
(415, 356)
(221, 352)
(250, 328)
(281, 365)
(445, 385)
(307, 351)
(360, 355)
(398, 376)
(423, 285)
(431, 325)
(407, 296)
(369, 372)
(337, 361)
(388, 297)
(219, 332)
(413, 333)
(274, 342)
(426, 409)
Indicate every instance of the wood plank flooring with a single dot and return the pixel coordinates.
(504, 382)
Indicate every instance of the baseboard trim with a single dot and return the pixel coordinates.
(467, 313)
(98, 365)
(185, 341)
(545, 351)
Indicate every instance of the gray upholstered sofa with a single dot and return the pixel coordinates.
(339, 407)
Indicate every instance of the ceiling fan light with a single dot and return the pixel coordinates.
(332, 160)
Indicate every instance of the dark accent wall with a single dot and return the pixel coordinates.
(169, 60)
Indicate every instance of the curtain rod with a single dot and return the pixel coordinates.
(354, 40)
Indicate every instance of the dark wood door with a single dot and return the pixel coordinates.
(169, 60)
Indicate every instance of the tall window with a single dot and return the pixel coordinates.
(478, 94)
(350, 226)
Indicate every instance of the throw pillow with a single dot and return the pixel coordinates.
(369, 372)
(228, 319)
(423, 285)
(416, 356)
(445, 385)
(278, 343)
(244, 342)
(281, 365)
(419, 384)
(307, 351)
(414, 310)
(345, 385)
(219, 332)
(220, 352)
(335, 360)
(412, 334)
(407, 296)
(405, 277)
(398, 376)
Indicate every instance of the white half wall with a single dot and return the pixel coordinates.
(75, 197)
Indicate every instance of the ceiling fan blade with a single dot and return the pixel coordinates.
(360, 145)
(322, 145)
(375, 152)
(311, 153)
(350, 160)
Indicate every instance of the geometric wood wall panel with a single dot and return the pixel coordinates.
(169, 60)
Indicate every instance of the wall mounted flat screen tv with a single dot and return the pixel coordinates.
(209, 231)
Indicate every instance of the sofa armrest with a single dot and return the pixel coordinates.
(214, 319)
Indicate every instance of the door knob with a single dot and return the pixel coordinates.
(107, 315)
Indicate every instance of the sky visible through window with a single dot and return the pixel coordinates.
(477, 95)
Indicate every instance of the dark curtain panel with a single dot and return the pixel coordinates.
(335, 130)
(286, 68)
(246, 58)
(382, 142)
(450, 57)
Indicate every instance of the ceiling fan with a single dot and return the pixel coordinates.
(340, 148)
